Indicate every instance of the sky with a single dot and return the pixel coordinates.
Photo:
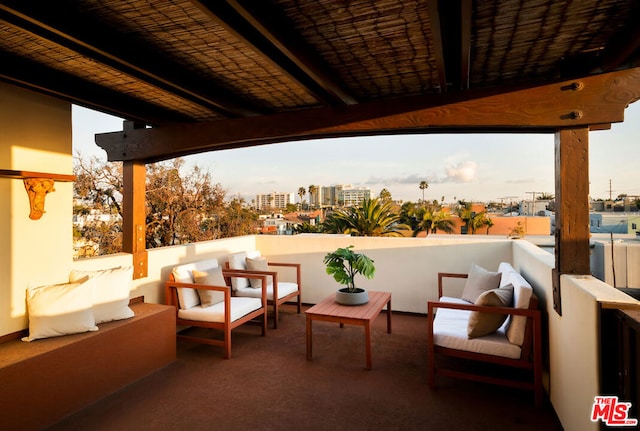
(470, 167)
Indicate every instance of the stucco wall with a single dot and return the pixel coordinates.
(35, 135)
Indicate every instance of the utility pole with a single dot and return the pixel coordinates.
(533, 200)
(610, 191)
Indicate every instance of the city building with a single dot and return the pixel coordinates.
(352, 196)
(271, 200)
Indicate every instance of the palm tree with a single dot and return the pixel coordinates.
(545, 197)
(301, 192)
(423, 186)
(488, 223)
(385, 195)
(465, 214)
(442, 221)
(372, 218)
(312, 191)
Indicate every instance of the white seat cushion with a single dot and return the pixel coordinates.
(450, 330)
(284, 288)
(215, 313)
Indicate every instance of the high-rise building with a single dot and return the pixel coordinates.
(353, 196)
(278, 200)
(343, 195)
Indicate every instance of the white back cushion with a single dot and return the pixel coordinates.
(239, 261)
(522, 292)
(184, 274)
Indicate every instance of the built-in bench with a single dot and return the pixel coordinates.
(46, 380)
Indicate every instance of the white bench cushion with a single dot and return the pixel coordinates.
(215, 313)
(450, 330)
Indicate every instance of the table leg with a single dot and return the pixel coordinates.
(309, 341)
(389, 316)
(367, 342)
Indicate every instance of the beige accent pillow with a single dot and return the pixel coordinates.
(480, 323)
(60, 309)
(479, 281)
(210, 277)
(257, 264)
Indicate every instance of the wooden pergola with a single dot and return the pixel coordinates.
(195, 76)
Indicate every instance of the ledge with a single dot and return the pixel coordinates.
(8, 173)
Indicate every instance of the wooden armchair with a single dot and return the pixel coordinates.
(221, 311)
(278, 292)
(447, 329)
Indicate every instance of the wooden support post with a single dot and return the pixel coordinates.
(134, 217)
(572, 206)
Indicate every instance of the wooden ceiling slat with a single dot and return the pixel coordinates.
(80, 34)
(39, 78)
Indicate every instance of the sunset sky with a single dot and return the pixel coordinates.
(479, 167)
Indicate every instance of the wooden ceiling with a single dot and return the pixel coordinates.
(197, 76)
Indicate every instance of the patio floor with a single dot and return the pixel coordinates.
(269, 385)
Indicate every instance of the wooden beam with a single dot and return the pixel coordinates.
(597, 99)
(277, 44)
(279, 32)
(134, 216)
(572, 206)
(465, 42)
(436, 39)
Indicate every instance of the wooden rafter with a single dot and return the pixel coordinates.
(451, 36)
(596, 100)
(273, 39)
(68, 29)
(55, 83)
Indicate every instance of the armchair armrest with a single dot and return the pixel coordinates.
(297, 267)
(171, 288)
(442, 275)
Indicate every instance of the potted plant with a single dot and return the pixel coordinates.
(344, 264)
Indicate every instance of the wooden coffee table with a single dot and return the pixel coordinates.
(361, 315)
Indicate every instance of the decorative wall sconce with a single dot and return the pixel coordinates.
(37, 189)
(37, 185)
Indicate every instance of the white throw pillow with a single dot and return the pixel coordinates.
(110, 292)
(480, 280)
(239, 261)
(60, 309)
(210, 277)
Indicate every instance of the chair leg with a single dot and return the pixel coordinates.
(264, 323)
(299, 303)
(275, 315)
(227, 343)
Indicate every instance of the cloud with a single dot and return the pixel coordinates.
(463, 172)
